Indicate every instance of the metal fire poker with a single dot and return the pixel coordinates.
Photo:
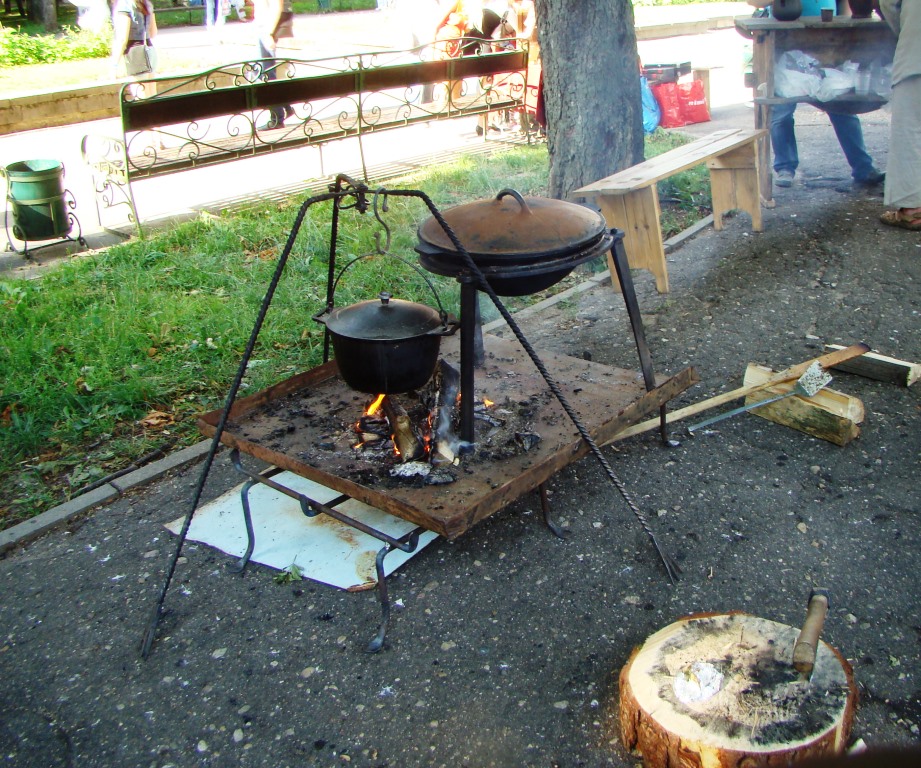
(359, 191)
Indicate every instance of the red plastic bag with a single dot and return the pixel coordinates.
(693, 102)
(667, 96)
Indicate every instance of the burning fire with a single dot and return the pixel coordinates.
(375, 406)
(385, 424)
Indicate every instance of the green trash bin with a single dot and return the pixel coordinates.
(35, 191)
(324, 5)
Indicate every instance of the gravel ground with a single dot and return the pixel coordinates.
(505, 645)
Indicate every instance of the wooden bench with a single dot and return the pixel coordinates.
(174, 124)
(629, 199)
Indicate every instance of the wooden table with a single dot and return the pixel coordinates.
(831, 43)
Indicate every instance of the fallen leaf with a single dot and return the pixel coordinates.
(156, 420)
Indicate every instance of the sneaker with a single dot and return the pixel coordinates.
(784, 178)
(872, 179)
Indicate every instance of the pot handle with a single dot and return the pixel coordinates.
(329, 307)
(517, 195)
(449, 326)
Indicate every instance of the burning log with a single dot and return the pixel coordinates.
(404, 438)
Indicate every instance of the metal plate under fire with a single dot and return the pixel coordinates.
(288, 425)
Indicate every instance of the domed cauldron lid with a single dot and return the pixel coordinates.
(383, 319)
(512, 226)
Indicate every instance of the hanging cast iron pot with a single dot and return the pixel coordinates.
(386, 346)
(522, 245)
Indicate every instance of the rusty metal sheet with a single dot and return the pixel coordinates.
(305, 425)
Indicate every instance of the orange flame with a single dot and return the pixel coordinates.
(488, 403)
(375, 406)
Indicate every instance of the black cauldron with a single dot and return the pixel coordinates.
(386, 346)
(521, 245)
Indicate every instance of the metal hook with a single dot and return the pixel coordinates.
(382, 195)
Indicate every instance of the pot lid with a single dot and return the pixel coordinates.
(512, 225)
(383, 319)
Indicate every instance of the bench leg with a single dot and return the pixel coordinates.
(637, 214)
(734, 184)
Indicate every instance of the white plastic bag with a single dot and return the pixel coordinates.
(837, 82)
(796, 75)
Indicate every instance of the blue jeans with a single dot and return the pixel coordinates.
(847, 129)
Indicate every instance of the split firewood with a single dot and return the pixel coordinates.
(879, 367)
(790, 374)
(828, 414)
(403, 436)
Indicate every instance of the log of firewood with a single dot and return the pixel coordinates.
(828, 414)
(880, 367)
(404, 438)
(720, 691)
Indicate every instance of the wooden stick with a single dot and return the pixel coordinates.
(879, 367)
(794, 372)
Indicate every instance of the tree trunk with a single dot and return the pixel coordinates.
(721, 691)
(46, 12)
(591, 90)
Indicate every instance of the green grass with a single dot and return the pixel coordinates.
(111, 354)
(71, 44)
(685, 197)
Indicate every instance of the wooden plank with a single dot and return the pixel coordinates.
(637, 214)
(879, 367)
(671, 162)
(828, 415)
(734, 185)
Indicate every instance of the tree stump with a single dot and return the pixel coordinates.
(720, 691)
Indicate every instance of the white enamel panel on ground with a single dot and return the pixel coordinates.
(324, 549)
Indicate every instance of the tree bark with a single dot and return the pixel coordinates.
(46, 12)
(591, 90)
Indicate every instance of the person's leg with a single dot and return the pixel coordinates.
(276, 114)
(783, 138)
(850, 137)
(903, 172)
(211, 9)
